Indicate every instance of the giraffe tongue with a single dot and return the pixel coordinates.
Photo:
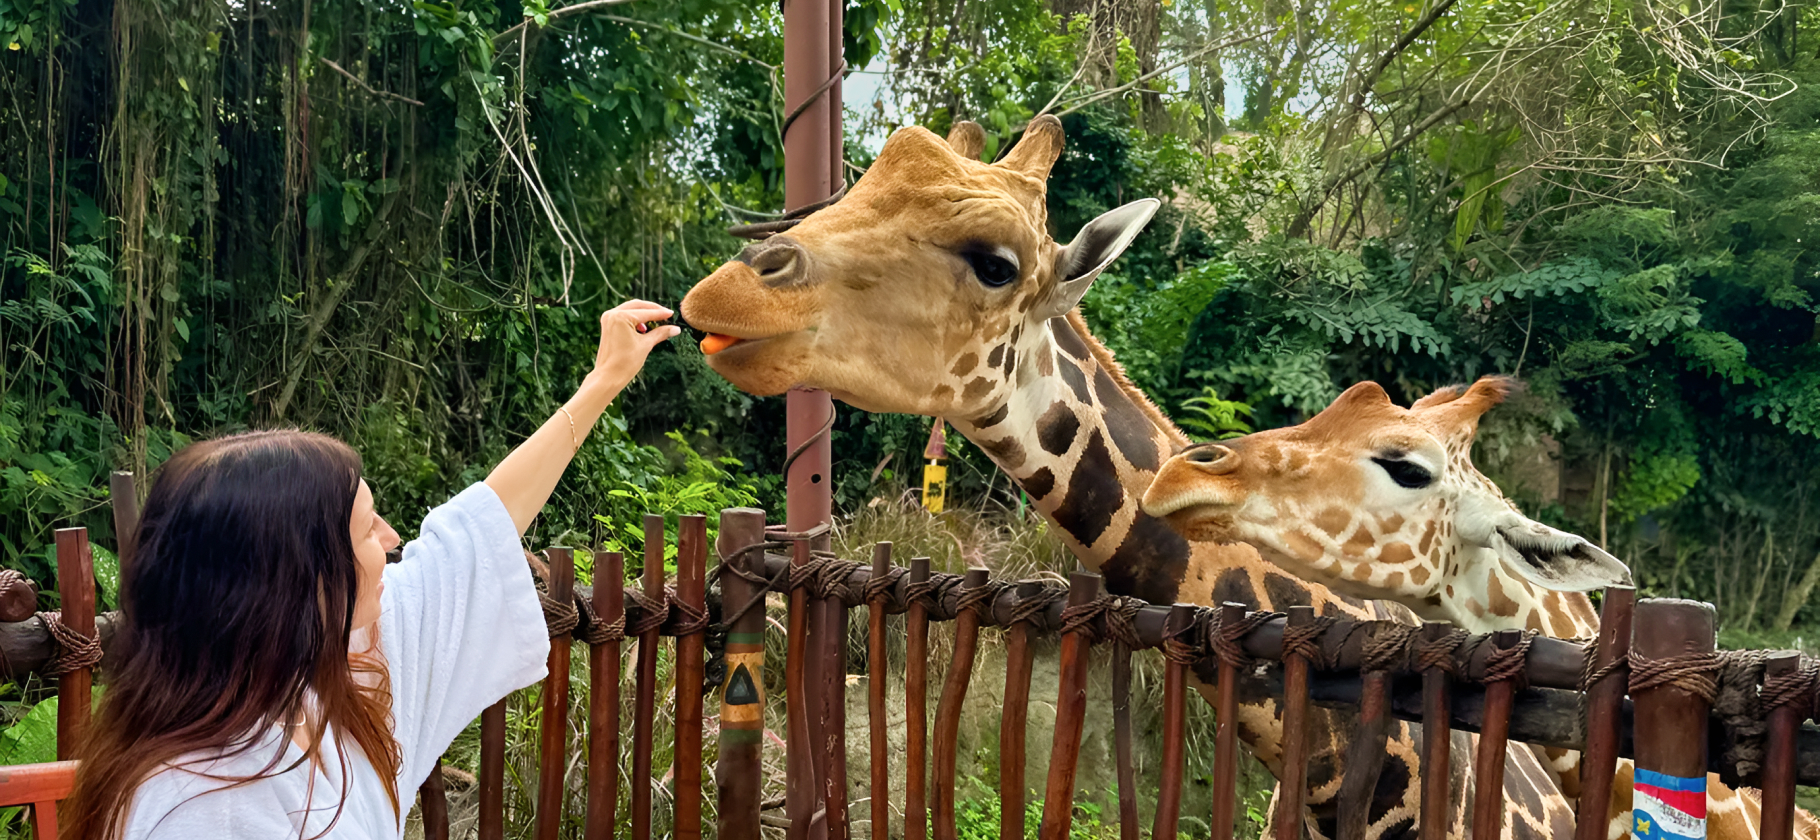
(716, 342)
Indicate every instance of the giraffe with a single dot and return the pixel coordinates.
(933, 288)
(1380, 501)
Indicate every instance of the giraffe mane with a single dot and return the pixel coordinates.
(1117, 372)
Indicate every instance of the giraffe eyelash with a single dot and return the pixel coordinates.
(1406, 473)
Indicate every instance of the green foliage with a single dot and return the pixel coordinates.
(1213, 417)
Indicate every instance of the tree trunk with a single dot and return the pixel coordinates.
(1794, 599)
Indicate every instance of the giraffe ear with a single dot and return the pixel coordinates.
(1099, 243)
(1556, 560)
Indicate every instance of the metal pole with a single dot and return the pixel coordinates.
(809, 414)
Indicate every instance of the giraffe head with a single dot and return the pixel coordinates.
(919, 290)
(1375, 500)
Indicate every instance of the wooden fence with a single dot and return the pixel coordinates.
(1652, 702)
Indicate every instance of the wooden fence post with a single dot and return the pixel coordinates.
(1786, 709)
(1291, 794)
(692, 603)
(1070, 716)
(742, 702)
(76, 585)
(1175, 720)
(1014, 721)
(123, 496)
(1674, 643)
(878, 672)
(603, 696)
(644, 697)
(551, 761)
(1488, 769)
(1437, 740)
(1225, 736)
(1604, 713)
(954, 697)
(916, 709)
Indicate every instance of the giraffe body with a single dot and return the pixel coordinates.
(933, 288)
(1381, 501)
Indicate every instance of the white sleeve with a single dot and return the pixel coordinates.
(460, 626)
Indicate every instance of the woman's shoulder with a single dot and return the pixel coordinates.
(217, 794)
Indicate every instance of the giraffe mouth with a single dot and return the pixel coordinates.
(716, 342)
(1202, 523)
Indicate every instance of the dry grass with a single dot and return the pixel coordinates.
(1011, 549)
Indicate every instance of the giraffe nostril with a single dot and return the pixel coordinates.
(1218, 459)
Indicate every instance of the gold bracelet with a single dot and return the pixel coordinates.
(574, 445)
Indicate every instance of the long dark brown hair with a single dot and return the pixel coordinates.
(237, 606)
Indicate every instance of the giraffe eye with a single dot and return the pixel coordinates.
(1406, 473)
(991, 269)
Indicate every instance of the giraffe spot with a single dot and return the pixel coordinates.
(1017, 332)
(1010, 360)
(1299, 544)
(1534, 622)
(1473, 607)
(1056, 429)
(1390, 524)
(995, 418)
(1419, 575)
(1150, 562)
(1396, 552)
(978, 388)
(1132, 431)
(1094, 494)
(1393, 785)
(941, 394)
(1394, 581)
(1428, 539)
(1450, 590)
(1234, 585)
(1297, 460)
(1361, 541)
(1361, 572)
(1067, 339)
(1045, 361)
(1007, 452)
(1333, 520)
(995, 328)
(1077, 381)
(965, 364)
(1500, 603)
(1432, 600)
(1285, 591)
(996, 356)
(1025, 302)
(1039, 484)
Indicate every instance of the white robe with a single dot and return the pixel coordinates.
(460, 627)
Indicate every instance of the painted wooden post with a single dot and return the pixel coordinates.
(935, 469)
(1290, 796)
(1668, 795)
(742, 702)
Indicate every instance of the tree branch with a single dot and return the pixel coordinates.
(1300, 225)
(371, 91)
(509, 34)
(1109, 92)
(1371, 78)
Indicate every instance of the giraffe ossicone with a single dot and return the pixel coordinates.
(933, 287)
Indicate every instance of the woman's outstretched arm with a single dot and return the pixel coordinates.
(527, 476)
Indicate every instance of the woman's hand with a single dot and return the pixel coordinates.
(626, 340)
(527, 476)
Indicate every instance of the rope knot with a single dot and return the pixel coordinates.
(652, 612)
(72, 650)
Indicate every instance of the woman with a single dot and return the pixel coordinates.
(276, 678)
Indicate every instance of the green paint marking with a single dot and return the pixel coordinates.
(745, 638)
